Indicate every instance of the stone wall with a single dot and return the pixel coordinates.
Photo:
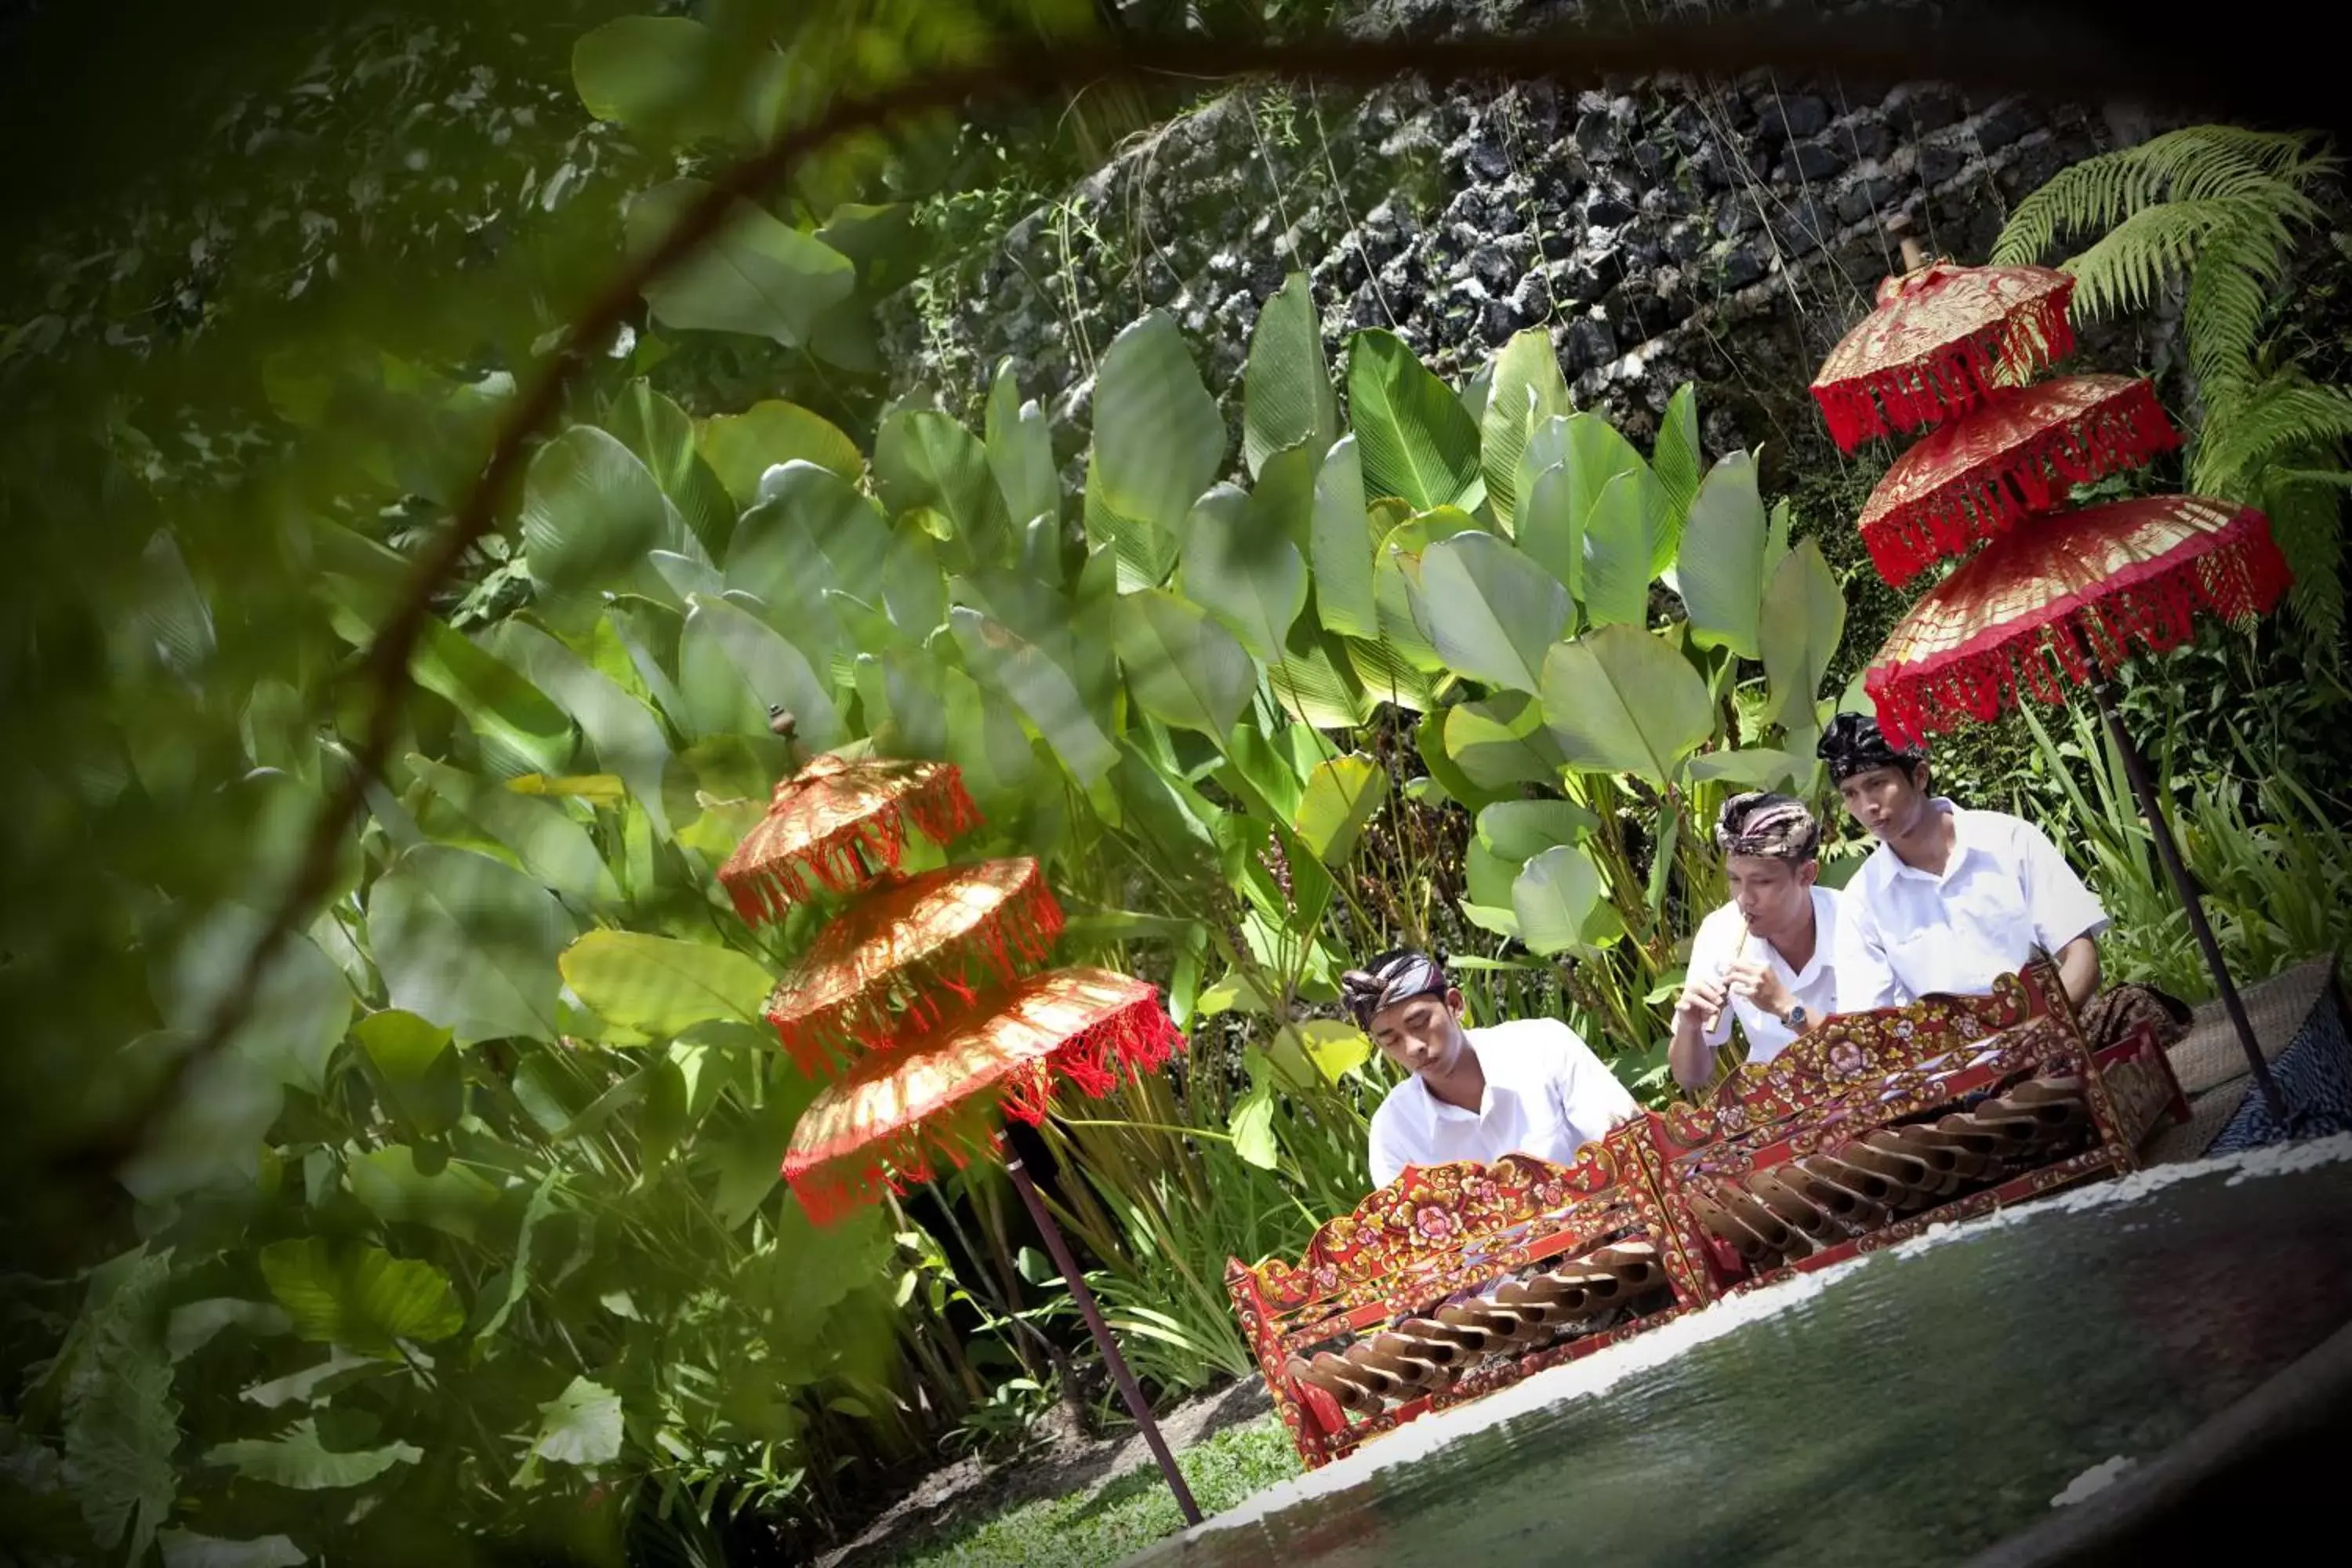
(1721, 232)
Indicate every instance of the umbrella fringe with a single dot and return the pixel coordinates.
(2152, 607)
(2024, 481)
(1015, 939)
(1951, 380)
(852, 855)
(1134, 1038)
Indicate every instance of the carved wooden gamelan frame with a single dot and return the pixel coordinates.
(1439, 1231)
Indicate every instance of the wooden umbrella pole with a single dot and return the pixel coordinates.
(1128, 1390)
(2151, 806)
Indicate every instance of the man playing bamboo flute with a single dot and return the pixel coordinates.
(1528, 1086)
(1768, 957)
(1950, 899)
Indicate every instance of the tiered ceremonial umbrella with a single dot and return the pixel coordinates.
(2062, 597)
(921, 985)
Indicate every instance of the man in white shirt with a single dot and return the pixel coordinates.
(1526, 1086)
(1950, 899)
(1768, 957)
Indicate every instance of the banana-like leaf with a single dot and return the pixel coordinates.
(1341, 796)
(520, 731)
(622, 731)
(1286, 397)
(651, 74)
(360, 1297)
(1017, 670)
(1183, 668)
(1020, 452)
(732, 668)
(1526, 390)
(757, 276)
(659, 985)
(923, 458)
(1416, 439)
(1616, 556)
(665, 439)
(468, 942)
(1677, 461)
(1159, 440)
(1803, 619)
(1250, 579)
(1551, 530)
(740, 447)
(416, 1070)
(1619, 700)
(1316, 682)
(300, 1460)
(1519, 830)
(1341, 538)
(1502, 741)
(1396, 584)
(1753, 767)
(539, 834)
(1554, 896)
(1492, 612)
(1720, 569)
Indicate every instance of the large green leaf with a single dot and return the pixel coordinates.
(1551, 530)
(520, 731)
(1340, 542)
(914, 594)
(184, 1548)
(662, 435)
(1020, 452)
(748, 1159)
(1018, 670)
(1396, 584)
(1502, 742)
(1251, 579)
(1316, 683)
(540, 834)
(1387, 676)
(1145, 553)
(756, 276)
(1341, 796)
(1675, 460)
(1444, 773)
(1804, 617)
(660, 985)
(923, 458)
(1753, 767)
(1519, 830)
(1616, 557)
(212, 1131)
(1283, 501)
(360, 1297)
(122, 1424)
(1487, 879)
(1620, 700)
(302, 1460)
(416, 1070)
(1159, 440)
(985, 740)
(739, 447)
(1493, 613)
(1287, 396)
(1720, 569)
(651, 74)
(732, 668)
(589, 510)
(1416, 439)
(1554, 895)
(622, 732)
(294, 1018)
(1597, 455)
(580, 1425)
(1183, 668)
(391, 1185)
(468, 942)
(1526, 390)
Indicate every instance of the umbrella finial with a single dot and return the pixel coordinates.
(1915, 254)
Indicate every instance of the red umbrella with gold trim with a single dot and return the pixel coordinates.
(1940, 340)
(2012, 456)
(912, 949)
(838, 824)
(922, 971)
(2069, 599)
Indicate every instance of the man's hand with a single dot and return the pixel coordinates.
(1754, 979)
(1702, 1000)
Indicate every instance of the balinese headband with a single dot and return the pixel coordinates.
(1399, 978)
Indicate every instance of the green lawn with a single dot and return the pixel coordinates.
(1128, 1513)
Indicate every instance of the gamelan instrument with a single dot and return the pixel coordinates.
(1456, 1281)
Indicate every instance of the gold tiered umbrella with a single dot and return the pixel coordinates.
(838, 824)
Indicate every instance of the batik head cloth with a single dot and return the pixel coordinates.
(1758, 823)
(1390, 979)
(1853, 744)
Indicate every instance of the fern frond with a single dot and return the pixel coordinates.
(2142, 253)
(2233, 287)
(2283, 415)
(2198, 162)
(2307, 521)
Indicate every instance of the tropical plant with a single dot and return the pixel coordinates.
(2218, 212)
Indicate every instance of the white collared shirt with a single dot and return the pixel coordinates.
(1546, 1095)
(1814, 986)
(2005, 891)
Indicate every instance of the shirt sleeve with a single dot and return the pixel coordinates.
(2060, 906)
(1708, 960)
(1385, 1156)
(1866, 979)
(1591, 1097)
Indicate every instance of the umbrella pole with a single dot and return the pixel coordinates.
(1128, 1390)
(2143, 786)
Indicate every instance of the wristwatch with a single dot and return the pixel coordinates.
(1794, 1018)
